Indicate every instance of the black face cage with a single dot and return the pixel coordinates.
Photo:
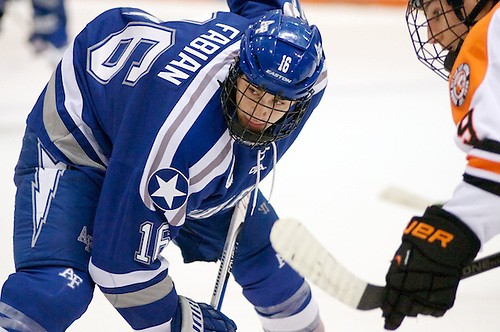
(242, 133)
(439, 58)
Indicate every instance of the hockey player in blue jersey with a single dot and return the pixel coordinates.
(150, 132)
(49, 35)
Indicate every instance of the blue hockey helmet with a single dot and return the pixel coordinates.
(280, 55)
(283, 54)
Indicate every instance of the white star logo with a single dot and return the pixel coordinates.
(168, 190)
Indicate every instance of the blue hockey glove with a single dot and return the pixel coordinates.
(194, 316)
(424, 275)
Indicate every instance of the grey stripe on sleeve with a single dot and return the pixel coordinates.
(59, 134)
(142, 297)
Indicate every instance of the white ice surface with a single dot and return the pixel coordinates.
(384, 121)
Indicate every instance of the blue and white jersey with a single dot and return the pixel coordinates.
(135, 101)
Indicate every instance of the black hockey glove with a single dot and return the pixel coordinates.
(426, 269)
(192, 316)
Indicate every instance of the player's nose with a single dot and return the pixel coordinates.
(432, 38)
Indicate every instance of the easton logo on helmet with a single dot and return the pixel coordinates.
(278, 76)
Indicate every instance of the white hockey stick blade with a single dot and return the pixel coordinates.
(300, 249)
(403, 197)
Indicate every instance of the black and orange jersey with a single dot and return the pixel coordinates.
(474, 87)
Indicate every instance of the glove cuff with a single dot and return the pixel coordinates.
(192, 316)
(442, 237)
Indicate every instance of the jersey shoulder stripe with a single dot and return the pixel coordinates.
(184, 114)
(214, 163)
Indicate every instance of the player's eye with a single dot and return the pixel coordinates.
(253, 90)
(437, 13)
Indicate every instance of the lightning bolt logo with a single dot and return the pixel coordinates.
(44, 188)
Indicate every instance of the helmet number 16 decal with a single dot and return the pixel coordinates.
(285, 64)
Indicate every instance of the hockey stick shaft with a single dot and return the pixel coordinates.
(481, 265)
(230, 245)
(301, 250)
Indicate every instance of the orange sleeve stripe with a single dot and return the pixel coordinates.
(484, 164)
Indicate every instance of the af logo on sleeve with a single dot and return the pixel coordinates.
(168, 189)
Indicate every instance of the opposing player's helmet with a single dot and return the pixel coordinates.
(282, 56)
(440, 58)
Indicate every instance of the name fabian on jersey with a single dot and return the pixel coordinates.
(192, 56)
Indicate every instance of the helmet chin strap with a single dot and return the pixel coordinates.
(469, 21)
(451, 57)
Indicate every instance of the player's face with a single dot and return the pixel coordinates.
(258, 110)
(444, 27)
